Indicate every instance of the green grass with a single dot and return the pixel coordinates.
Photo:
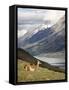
(39, 75)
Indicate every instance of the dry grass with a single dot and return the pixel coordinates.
(39, 75)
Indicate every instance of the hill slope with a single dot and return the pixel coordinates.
(42, 74)
(25, 56)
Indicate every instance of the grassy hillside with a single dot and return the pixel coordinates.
(38, 75)
(44, 72)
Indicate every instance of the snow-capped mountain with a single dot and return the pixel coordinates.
(44, 39)
(25, 35)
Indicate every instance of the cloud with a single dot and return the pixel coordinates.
(21, 33)
(30, 16)
(54, 15)
(28, 19)
(38, 16)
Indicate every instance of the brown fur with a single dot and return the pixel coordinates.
(31, 67)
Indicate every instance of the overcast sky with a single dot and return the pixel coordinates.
(30, 18)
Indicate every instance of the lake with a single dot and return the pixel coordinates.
(59, 62)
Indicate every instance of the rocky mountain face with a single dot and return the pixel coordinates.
(45, 39)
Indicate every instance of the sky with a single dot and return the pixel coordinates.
(28, 19)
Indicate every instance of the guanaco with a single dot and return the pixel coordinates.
(31, 67)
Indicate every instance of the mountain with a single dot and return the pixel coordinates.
(46, 40)
(25, 56)
(30, 32)
(40, 35)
